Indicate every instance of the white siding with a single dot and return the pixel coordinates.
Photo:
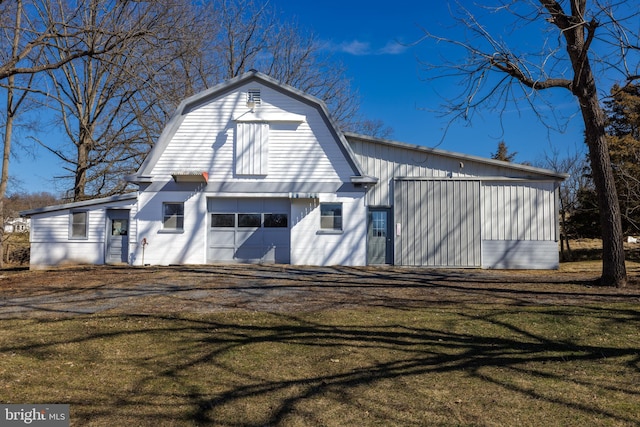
(310, 246)
(298, 152)
(171, 247)
(50, 242)
(45, 254)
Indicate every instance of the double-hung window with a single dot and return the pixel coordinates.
(79, 225)
(173, 216)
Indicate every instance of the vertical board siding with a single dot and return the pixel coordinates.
(386, 162)
(252, 148)
(439, 223)
(519, 211)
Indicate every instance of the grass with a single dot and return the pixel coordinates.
(449, 365)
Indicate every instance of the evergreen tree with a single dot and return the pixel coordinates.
(502, 153)
(623, 129)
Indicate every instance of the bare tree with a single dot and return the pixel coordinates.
(14, 98)
(250, 36)
(575, 165)
(26, 28)
(46, 22)
(576, 35)
(102, 100)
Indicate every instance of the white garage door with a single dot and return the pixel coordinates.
(247, 230)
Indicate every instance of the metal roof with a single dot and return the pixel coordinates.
(82, 204)
(460, 156)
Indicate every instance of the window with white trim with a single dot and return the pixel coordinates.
(331, 216)
(79, 225)
(173, 216)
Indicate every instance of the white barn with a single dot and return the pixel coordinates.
(255, 171)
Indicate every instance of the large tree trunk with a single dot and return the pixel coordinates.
(8, 131)
(614, 271)
(579, 35)
(4, 176)
(81, 172)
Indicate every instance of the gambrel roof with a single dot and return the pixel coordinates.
(144, 173)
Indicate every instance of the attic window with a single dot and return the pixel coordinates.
(253, 98)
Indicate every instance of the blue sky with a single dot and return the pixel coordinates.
(375, 40)
(371, 38)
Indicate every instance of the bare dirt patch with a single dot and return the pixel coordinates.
(200, 289)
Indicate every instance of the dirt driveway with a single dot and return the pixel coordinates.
(94, 289)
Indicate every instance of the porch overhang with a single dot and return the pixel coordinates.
(190, 177)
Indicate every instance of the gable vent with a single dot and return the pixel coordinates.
(253, 97)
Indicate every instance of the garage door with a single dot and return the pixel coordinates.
(437, 222)
(248, 230)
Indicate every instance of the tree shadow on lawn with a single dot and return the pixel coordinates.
(183, 289)
(383, 367)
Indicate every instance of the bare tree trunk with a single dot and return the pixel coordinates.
(579, 36)
(614, 271)
(4, 178)
(8, 133)
(81, 172)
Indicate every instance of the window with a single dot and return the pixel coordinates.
(173, 216)
(276, 220)
(379, 224)
(223, 220)
(79, 225)
(119, 227)
(331, 216)
(249, 220)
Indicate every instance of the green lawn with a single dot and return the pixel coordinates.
(442, 365)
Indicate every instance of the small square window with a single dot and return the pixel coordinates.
(331, 216)
(173, 216)
(79, 225)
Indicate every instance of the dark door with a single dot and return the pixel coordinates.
(118, 238)
(379, 236)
